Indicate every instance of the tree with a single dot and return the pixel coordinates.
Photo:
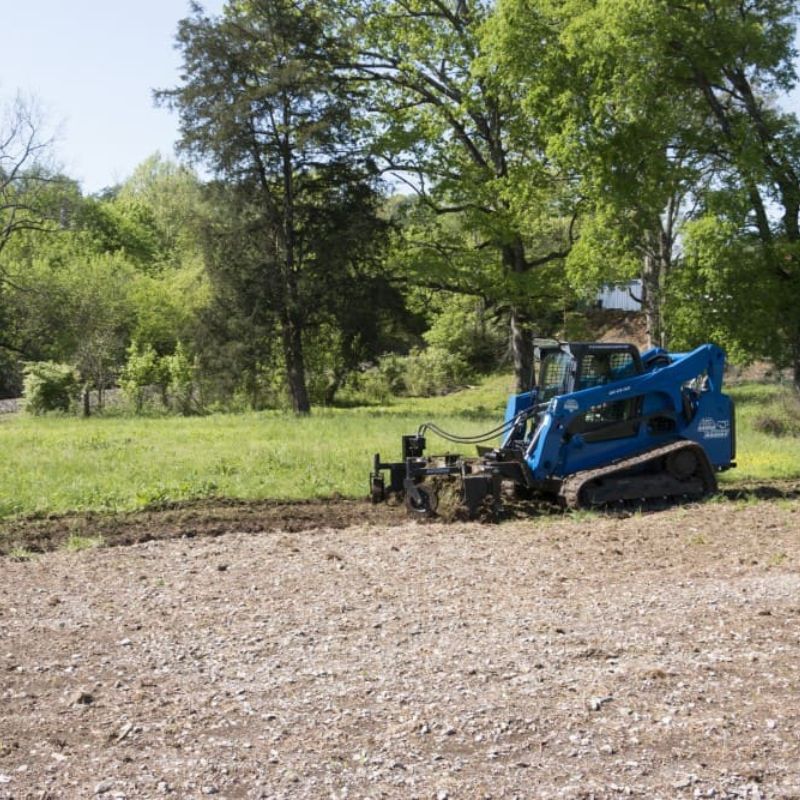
(30, 192)
(668, 105)
(733, 58)
(78, 311)
(173, 197)
(261, 105)
(627, 152)
(25, 172)
(453, 131)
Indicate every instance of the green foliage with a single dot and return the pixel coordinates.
(435, 371)
(607, 252)
(468, 331)
(110, 275)
(143, 369)
(50, 387)
(124, 227)
(491, 217)
(172, 195)
(381, 383)
(711, 295)
(182, 381)
(780, 416)
(421, 373)
(651, 172)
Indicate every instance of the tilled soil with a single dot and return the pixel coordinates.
(190, 520)
(593, 656)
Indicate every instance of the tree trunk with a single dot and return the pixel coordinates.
(521, 350)
(796, 363)
(650, 302)
(521, 332)
(654, 268)
(291, 320)
(295, 367)
(87, 402)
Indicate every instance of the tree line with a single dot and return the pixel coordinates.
(402, 189)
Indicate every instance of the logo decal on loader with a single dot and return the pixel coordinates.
(711, 428)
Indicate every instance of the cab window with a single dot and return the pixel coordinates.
(597, 369)
(553, 375)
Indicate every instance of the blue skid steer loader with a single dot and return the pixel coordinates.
(603, 425)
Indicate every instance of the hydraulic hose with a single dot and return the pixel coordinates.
(481, 437)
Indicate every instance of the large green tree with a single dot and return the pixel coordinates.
(629, 154)
(733, 59)
(489, 221)
(665, 111)
(261, 105)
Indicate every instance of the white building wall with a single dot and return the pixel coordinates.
(619, 297)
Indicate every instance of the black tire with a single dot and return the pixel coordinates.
(377, 490)
(428, 501)
(682, 464)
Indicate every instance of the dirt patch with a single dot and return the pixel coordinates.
(619, 326)
(651, 656)
(216, 518)
(192, 520)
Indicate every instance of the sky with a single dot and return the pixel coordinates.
(92, 66)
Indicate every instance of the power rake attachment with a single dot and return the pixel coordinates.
(470, 484)
(603, 425)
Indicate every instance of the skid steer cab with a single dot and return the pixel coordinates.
(603, 425)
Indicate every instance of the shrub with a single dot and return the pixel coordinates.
(143, 369)
(463, 329)
(383, 381)
(260, 386)
(182, 388)
(781, 417)
(435, 371)
(48, 386)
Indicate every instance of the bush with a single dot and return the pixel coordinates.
(260, 387)
(464, 330)
(781, 417)
(422, 373)
(435, 371)
(48, 386)
(143, 369)
(182, 385)
(382, 382)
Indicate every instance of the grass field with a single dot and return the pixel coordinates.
(56, 464)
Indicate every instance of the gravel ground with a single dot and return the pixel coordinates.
(653, 656)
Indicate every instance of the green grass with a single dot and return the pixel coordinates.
(75, 543)
(762, 456)
(55, 465)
